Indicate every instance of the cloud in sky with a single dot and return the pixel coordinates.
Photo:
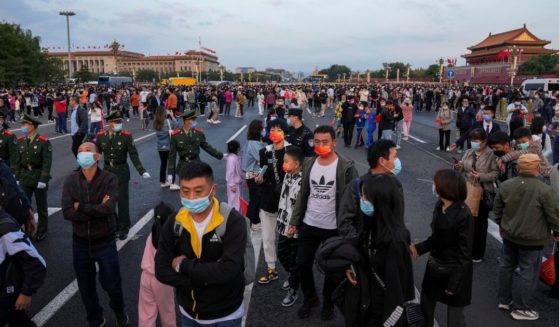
(293, 34)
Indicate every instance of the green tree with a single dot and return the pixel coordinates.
(432, 71)
(84, 75)
(147, 75)
(334, 71)
(540, 65)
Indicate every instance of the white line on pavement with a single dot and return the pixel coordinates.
(236, 134)
(55, 304)
(417, 139)
(59, 137)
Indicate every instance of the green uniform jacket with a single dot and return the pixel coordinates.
(8, 148)
(33, 161)
(187, 144)
(116, 151)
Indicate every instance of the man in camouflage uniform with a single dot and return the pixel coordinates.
(186, 142)
(32, 168)
(8, 147)
(116, 145)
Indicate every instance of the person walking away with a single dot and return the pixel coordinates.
(96, 117)
(448, 276)
(228, 97)
(360, 121)
(240, 104)
(207, 275)
(155, 298)
(407, 111)
(135, 102)
(22, 272)
(117, 145)
(260, 99)
(398, 123)
(60, 107)
(270, 182)
(526, 212)
(164, 125)
(479, 166)
(89, 198)
(314, 215)
(172, 101)
(234, 175)
(349, 108)
(287, 246)
(32, 171)
(78, 124)
(125, 104)
(250, 164)
(371, 125)
(444, 120)
(8, 144)
(386, 125)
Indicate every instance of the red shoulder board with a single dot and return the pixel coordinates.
(126, 133)
(199, 130)
(43, 138)
(176, 131)
(102, 133)
(21, 137)
(8, 132)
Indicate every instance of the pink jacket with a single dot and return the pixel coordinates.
(407, 111)
(148, 260)
(228, 96)
(233, 172)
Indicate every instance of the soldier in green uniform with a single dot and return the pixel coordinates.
(32, 168)
(186, 142)
(8, 147)
(116, 145)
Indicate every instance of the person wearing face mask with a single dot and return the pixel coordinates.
(487, 124)
(465, 119)
(479, 166)
(33, 163)
(499, 142)
(8, 148)
(205, 269)
(89, 198)
(524, 144)
(444, 120)
(448, 277)
(186, 144)
(298, 134)
(515, 118)
(385, 240)
(314, 215)
(117, 145)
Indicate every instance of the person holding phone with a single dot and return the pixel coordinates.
(250, 165)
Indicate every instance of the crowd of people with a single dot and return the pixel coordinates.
(304, 197)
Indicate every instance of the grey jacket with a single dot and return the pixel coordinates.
(486, 165)
(82, 120)
(345, 174)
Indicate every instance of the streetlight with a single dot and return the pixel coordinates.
(441, 62)
(68, 14)
(515, 52)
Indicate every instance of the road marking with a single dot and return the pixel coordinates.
(59, 137)
(236, 134)
(143, 137)
(417, 139)
(69, 291)
(51, 211)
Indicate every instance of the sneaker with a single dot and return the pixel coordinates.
(100, 323)
(285, 285)
(217, 121)
(209, 121)
(438, 148)
(524, 315)
(174, 187)
(201, 115)
(447, 149)
(122, 319)
(327, 312)
(477, 260)
(270, 276)
(289, 298)
(505, 307)
(305, 310)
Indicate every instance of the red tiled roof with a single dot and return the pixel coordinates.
(508, 38)
(484, 53)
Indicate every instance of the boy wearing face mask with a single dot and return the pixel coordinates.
(525, 144)
(287, 246)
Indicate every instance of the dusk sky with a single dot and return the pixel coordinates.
(293, 34)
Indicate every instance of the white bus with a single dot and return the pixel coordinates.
(548, 85)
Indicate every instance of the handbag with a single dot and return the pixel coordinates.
(439, 269)
(474, 197)
(547, 269)
(489, 198)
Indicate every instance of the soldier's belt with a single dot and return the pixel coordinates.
(181, 158)
(31, 167)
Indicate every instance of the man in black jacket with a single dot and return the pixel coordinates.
(89, 198)
(465, 119)
(299, 135)
(78, 123)
(22, 272)
(205, 269)
(349, 108)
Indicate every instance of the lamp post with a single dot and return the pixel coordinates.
(441, 62)
(408, 72)
(387, 70)
(515, 53)
(115, 46)
(68, 14)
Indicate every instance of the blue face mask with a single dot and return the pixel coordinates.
(196, 205)
(86, 159)
(194, 124)
(24, 130)
(397, 166)
(117, 127)
(367, 207)
(487, 118)
(476, 145)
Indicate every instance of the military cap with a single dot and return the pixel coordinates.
(189, 114)
(295, 112)
(117, 115)
(30, 120)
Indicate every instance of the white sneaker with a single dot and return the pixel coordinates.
(438, 148)
(447, 149)
(504, 306)
(524, 315)
(174, 187)
(201, 115)
(217, 122)
(285, 285)
(289, 298)
(209, 121)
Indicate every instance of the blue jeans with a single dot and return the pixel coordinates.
(528, 260)
(387, 134)
(61, 123)
(94, 128)
(106, 256)
(187, 322)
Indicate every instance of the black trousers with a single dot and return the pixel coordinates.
(348, 133)
(287, 256)
(254, 194)
(444, 139)
(163, 157)
(77, 140)
(454, 315)
(310, 239)
(480, 231)
(8, 314)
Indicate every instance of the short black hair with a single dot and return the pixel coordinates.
(478, 134)
(233, 146)
(296, 153)
(325, 129)
(194, 169)
(161, 212)
(255, 130)
(379, 149)
(498, 137)
(521, 132)
(450, 185)
(537, 125)
(278, 122)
